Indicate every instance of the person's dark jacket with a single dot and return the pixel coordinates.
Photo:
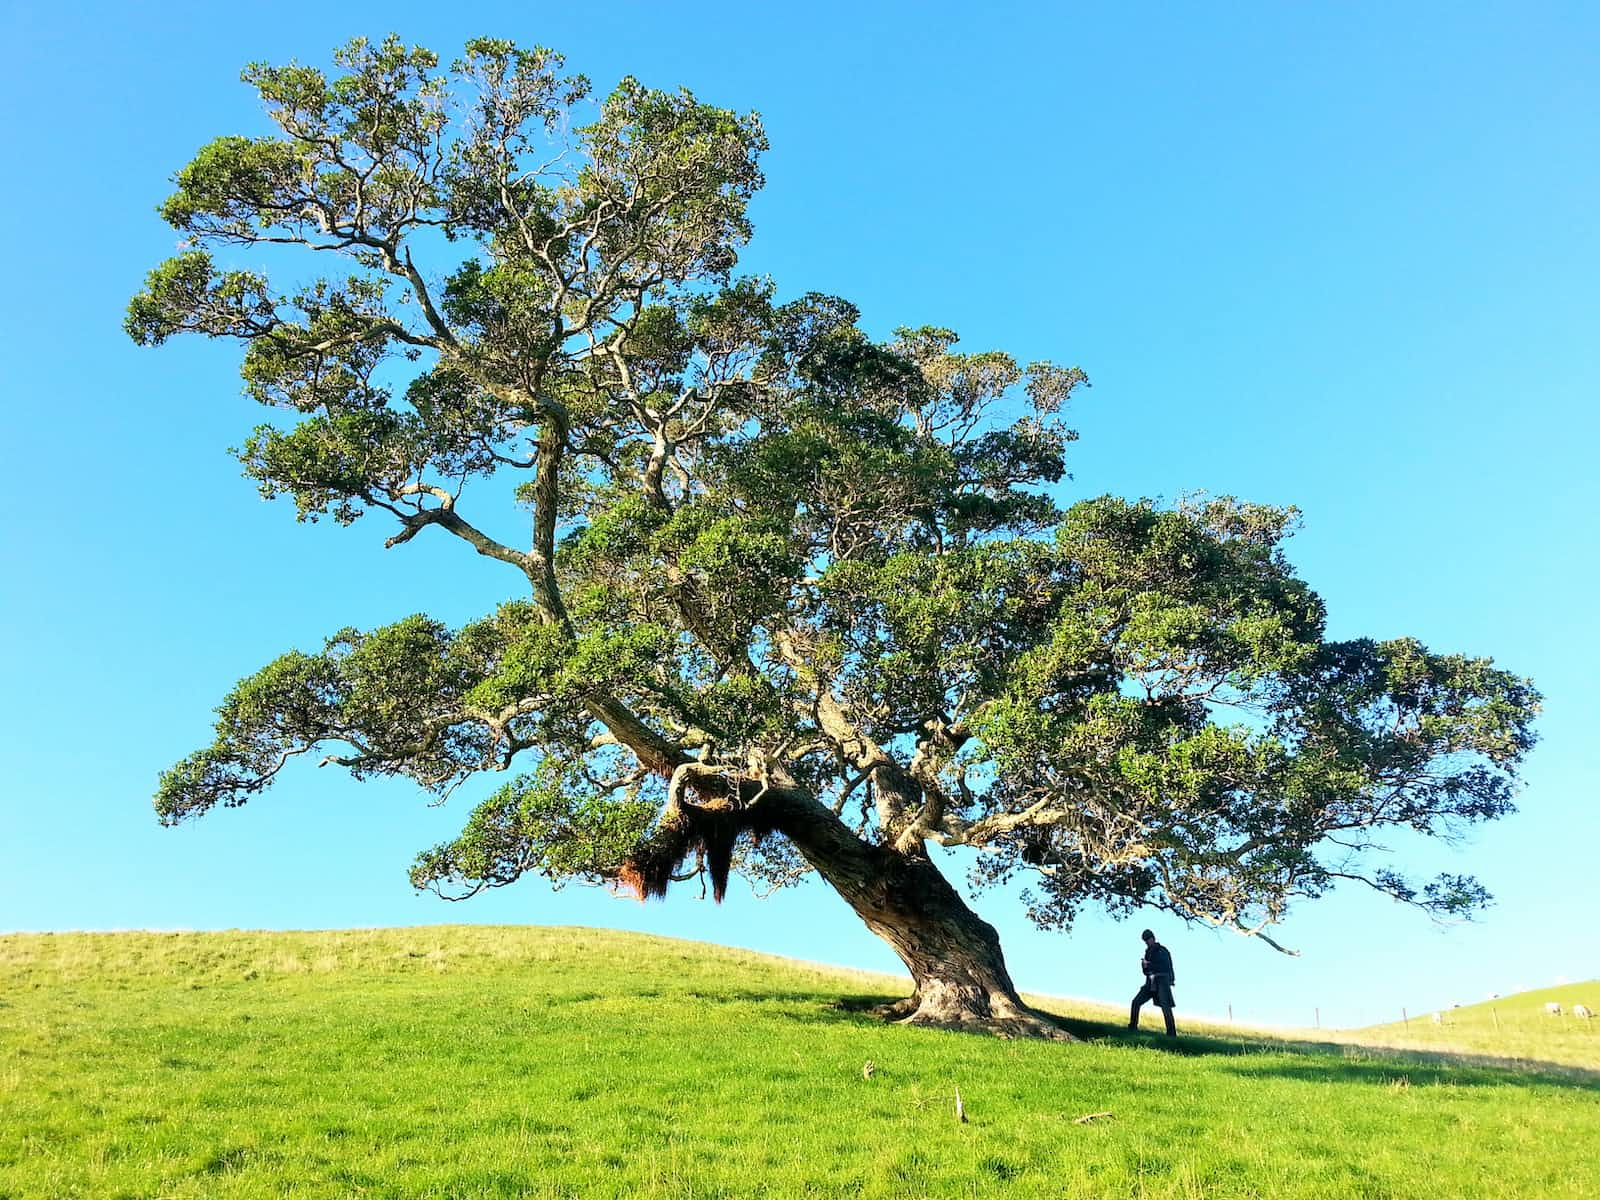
(1157, 961)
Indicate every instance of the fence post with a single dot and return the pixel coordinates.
(1405, 1019)
(1230, 1014)
(1318, 1017)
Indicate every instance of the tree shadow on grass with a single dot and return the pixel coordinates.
(1334, 1061)
(1314, 1061)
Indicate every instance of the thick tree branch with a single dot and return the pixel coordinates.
(446, 517)
(897, 792)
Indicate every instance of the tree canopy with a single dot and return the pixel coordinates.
(790, 597)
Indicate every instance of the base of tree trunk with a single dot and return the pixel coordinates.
(954, 956)
(1006, 1018)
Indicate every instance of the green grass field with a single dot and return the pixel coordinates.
(1510, 1027)
(508, 1062)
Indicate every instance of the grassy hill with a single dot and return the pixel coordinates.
(490, 1062)
(1510, 1027)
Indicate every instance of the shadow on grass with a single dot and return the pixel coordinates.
(1327, 1062)
(1333, 1061)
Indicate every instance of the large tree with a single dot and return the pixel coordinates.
(788, 598)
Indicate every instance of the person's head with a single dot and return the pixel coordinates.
(1148, 936)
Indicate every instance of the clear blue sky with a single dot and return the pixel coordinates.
(1342, 256)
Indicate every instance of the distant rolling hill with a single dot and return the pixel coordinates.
(1515, 1026)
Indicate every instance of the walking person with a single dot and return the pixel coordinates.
(1158, 980)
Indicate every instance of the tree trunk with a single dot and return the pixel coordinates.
(953, 955)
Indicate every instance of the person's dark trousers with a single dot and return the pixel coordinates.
(1158, 989)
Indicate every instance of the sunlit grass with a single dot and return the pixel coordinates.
(1516, 1027)
(489, 1062)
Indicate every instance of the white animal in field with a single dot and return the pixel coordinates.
(1582, 1011)
(1438, 1018)
(1552, 1008)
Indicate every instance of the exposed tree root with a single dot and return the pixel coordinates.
(898, 1010)
(1005, 1019)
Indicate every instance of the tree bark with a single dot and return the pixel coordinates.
(954, 956)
